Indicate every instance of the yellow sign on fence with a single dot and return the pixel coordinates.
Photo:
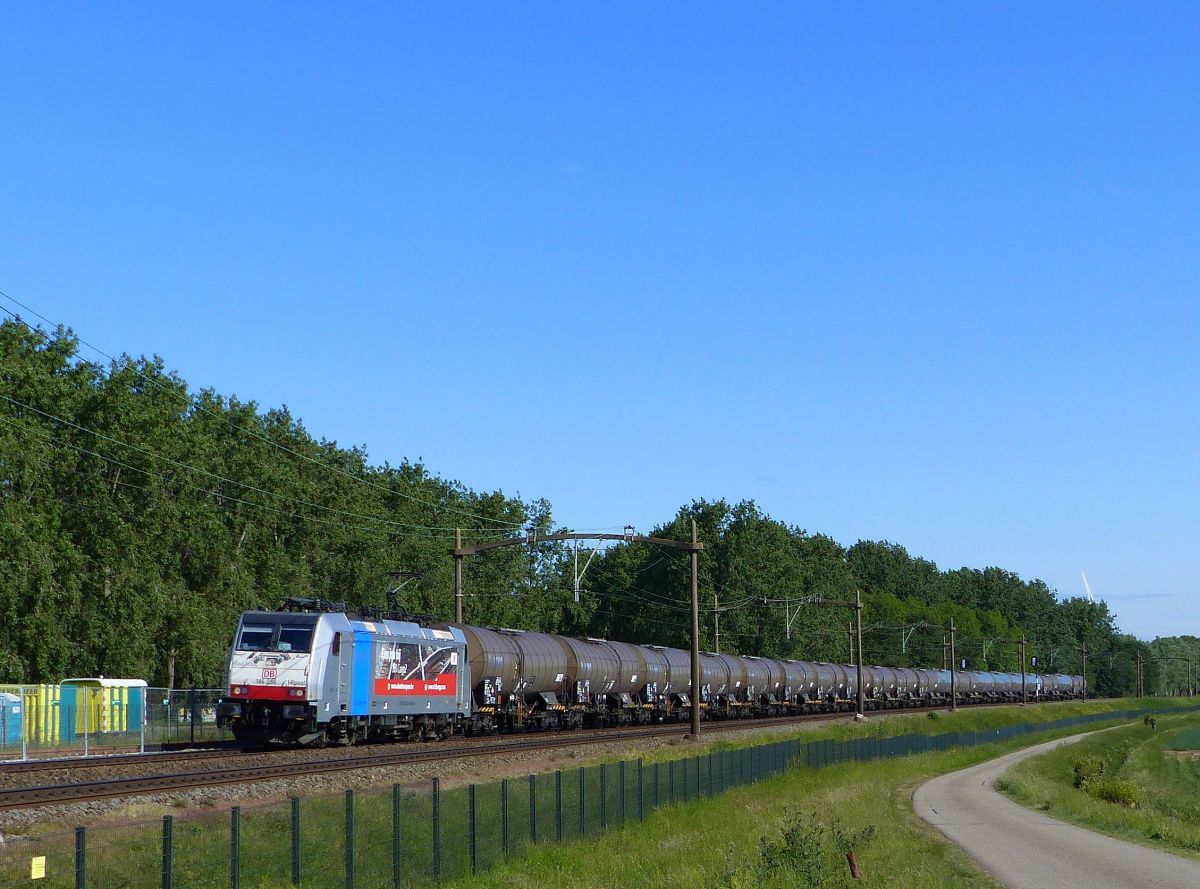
(37, 867)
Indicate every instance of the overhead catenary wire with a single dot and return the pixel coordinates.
(218, 477)
(163, 477)
(197, 406)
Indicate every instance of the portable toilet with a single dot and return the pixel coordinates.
(102, 705)
(11, 723)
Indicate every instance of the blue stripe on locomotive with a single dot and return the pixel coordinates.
(360, 684)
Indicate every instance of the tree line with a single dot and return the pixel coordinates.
(140, 518)
(774, 585)
(1176, 662)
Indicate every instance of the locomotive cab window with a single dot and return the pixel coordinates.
(294, 638)
(274, 637)
(256, 637)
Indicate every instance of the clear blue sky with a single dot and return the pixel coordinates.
(926, 273)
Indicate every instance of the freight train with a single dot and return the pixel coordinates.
(317, 676)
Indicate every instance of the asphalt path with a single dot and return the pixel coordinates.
(1024, 849)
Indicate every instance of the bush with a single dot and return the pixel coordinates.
(1116, 790)
(805, 853)
(1088, 770)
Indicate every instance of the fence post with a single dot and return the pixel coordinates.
(621, 776)
(192, 712)
(437, 829)
(583, 806)
(533, 808)
(25, 723)
(349, 839)
(710, 777)
(671, 781)
(603, 797)
(558, 816)
(696, 769)
(235, 850)
(166, 851)
(471, 834)
(295, 841)
(641, 793)
(504, 815)
(81, 858)
(396, 880)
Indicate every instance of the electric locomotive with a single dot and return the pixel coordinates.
(318, 676)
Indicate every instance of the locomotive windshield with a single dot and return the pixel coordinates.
(275, 637)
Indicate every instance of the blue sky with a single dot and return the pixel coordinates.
(922, 273)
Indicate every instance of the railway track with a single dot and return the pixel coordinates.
(233, 749)
(397, 755)
(111, 760)
(24, 797)
(108, 788)
(295, 756)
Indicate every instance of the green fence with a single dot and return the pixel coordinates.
(402, 837)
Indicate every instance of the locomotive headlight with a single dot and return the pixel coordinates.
(239, 689)
(297, 692)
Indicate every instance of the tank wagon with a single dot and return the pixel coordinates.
(326, 676)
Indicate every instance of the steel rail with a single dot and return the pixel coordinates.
(85, 791)
(117, 761)
(106, 760)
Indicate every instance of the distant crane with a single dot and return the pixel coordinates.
(1087, 586)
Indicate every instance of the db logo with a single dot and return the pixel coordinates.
(270, 673)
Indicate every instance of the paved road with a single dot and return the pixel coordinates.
(1028, 850)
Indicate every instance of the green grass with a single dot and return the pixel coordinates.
(688, 838)
(1145, 793)
(704, 843)
(1186, 739)
(719, 842)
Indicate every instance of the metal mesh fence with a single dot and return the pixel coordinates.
(84, 717)
(414, 836)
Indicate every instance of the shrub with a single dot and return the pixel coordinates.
(1115, 790)
(805, 853)
(1088, 770)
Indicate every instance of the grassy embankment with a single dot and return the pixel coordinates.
(698, 843)
(1136, 783)
(787, 830)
